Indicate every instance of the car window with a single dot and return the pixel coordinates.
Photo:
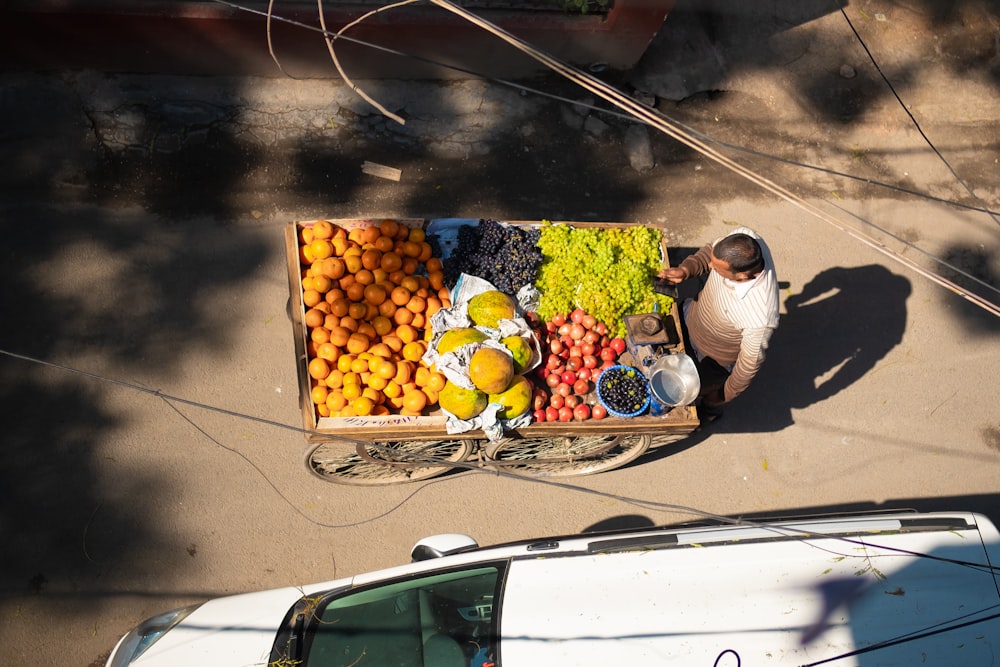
(442, 620)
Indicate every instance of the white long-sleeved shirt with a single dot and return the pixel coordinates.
(732, 322)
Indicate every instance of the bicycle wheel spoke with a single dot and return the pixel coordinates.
(566, 456)
(390, 462)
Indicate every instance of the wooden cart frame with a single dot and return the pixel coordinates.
(399, 448)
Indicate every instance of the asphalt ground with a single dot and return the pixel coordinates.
(144, 262)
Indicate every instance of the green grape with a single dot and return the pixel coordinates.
(607, 272)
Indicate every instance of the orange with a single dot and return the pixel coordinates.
(359, 365)
(389, 228)
(411, 283)
(381, 324)
(400, 296)
(409, 248)
(387, 308)
(432, 395)
(351, 377)
(322, 284)
(392, 390)
(335, 380)
(370, 233)
(331, 321)
(433, 264)
(416, 304)
(414, 401)
(349, 323)
(357, 235)
(322, 229)
(377, 382)
(335, 400)
(327, 351)
(402, 316)
(421, 376)
(416, 235)
(436, 381)
(404, 371)
(407, 333)
(363, 406)
(314, 317)
(381, 350)
(373, 394)
(396, 277)
(381, 277)
(365, 327)
(344, 362)
(307, 282)
(365, 277)
(419, 320)
(391, 262)
(322, 410)
(321, 248)
(323, 306)
(319, 369)
(355, 293)
(375, 294)
(357, 310)
(380, 411)
(346, 281)
(353, 263)
(413, 351)
(425, 252)
(339, 336)
(334, 294)
(410, 265)
(319, 394)
(333, 268)
(386, 369)
(372, 311)
(394, 342)
(340, 245)
(433, 305)
(358, 342)
(351, 391)
(306, 255)
(384, 244)
(306, 235)
(319, 335)
(311, 297)
(371, 259)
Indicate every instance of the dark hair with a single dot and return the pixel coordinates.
(741, 252)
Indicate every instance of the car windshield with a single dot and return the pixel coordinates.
(442, 620)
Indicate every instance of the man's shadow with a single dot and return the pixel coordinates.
(836, 329)
(833, 332)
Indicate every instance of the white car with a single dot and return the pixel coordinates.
(875, 589)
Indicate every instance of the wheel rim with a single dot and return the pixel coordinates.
(387, 462)
(565, 456)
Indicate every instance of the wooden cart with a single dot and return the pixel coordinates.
(391, 449)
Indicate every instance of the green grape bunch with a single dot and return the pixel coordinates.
(607, 272)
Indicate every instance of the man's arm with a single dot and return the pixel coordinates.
(752, 352)
(694, 265)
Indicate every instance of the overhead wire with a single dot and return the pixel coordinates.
(693, 139)
(913, 120)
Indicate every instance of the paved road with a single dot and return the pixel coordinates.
(144, 219)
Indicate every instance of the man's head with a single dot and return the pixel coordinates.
(737, 257)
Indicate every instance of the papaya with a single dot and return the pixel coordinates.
(491, 370)
(461, 402)
(516, 399)
(453, 339)
(486, 309)
(519, 349)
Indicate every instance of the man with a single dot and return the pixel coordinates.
(730, 322)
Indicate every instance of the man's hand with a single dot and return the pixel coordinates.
(674, 275)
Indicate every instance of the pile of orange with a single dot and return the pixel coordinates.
(368, 294)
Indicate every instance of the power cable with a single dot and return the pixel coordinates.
(902, 105)
(678, 131)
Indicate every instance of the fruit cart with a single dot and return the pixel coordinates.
(376, 445)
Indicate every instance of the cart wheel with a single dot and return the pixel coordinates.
(564, 456)
(381, 463)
